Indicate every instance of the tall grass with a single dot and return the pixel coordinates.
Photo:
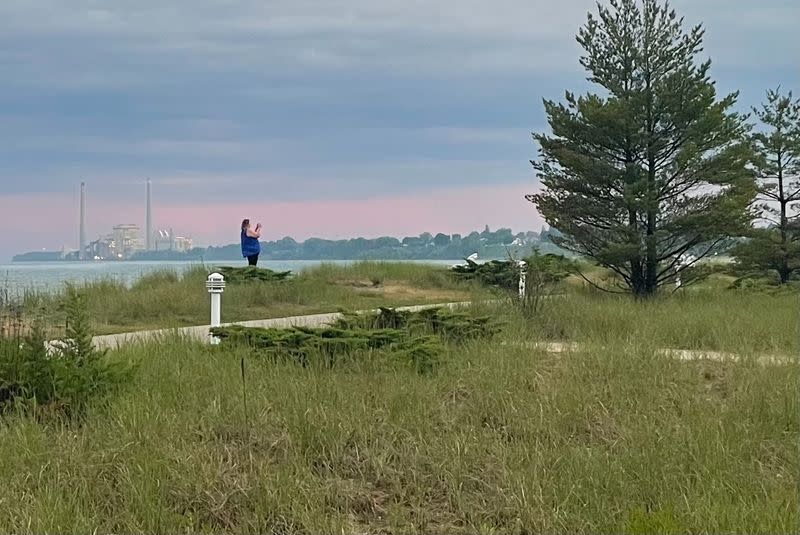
(503, 438)
(166, 299)
(729, 320)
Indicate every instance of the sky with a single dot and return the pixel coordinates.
(329, 118)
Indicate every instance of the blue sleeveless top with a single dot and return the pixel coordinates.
(250, 246)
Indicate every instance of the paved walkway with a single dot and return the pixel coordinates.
(680, 354)
(113, 341)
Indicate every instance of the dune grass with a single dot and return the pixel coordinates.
(502, 438)
(722, 320)
(167, 299)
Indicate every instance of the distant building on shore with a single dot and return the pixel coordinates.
(101, 249)
(127, 240)
(166, 240)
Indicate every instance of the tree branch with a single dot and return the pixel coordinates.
(594, 284)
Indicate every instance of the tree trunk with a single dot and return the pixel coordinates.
(651, 254)
(784, 270)
(637, 277)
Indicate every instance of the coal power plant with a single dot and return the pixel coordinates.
(125, 241)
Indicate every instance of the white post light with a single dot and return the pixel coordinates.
(523, 277)
(216, 285)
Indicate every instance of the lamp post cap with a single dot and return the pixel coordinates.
(215, 283)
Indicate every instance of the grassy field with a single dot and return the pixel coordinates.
(704, 318)
(503, 438)
(166, 299)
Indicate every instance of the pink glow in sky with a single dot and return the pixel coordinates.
(35, 222)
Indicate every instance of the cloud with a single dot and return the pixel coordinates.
(442, 39)
(391, 37)
(301, 101)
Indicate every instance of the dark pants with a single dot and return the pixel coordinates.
(252, 260)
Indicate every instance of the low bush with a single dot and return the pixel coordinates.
(59, 377)
(765, 283)
(541, 269)
(236, 275)
(417, 338)
(452, 326)
(500, 274)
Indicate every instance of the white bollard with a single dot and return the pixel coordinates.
(523, 277)
(216, 285)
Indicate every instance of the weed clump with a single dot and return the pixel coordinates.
(417, 338)
(238, 275)
(60, 377)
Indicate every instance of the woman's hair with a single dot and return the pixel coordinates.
(245, 223)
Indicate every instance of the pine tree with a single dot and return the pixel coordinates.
(654, 168)
(776, 248)
(78, 342)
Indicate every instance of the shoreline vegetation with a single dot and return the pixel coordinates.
(499, 243)
(167, 299)
(428, 422)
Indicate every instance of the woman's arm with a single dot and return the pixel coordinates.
(255, 233)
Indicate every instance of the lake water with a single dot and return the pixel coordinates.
(51, 275)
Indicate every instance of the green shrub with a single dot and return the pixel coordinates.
(417, 338)
(500, 274)
(451, 326)
(235, 275)
(543, 270)
(765, 283)
(26, 371)
(61, 377)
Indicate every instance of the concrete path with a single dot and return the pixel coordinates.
(680, 354)
(113, 341)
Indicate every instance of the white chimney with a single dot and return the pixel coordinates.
(82, 236)
(149, 224)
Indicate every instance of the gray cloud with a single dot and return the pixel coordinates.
(362, 94)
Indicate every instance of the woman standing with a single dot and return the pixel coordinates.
(251, 247)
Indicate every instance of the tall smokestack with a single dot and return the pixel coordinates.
(149, 225)
(82, 238)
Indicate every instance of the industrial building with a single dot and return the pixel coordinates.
(126, 240)
(166, 240)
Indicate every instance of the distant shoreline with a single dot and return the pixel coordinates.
(217, 260)
(500, 243)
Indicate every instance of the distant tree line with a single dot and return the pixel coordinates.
(499, 243)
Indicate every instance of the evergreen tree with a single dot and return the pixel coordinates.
(655, 166)
(776, 248)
